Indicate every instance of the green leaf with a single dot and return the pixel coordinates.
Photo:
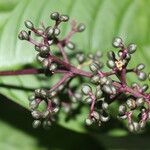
(104, 20)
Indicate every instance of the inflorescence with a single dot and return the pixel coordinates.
(102, 89)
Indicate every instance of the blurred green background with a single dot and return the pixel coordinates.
(104, 19)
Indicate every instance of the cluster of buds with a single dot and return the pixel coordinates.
(102, 89)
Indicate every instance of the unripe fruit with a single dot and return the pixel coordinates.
(117, 42)
(81, 27)
(29, 24)
(132, 48)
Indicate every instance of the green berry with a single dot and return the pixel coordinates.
(81, 27)
(117, 42)
(95, 79)
(56, 31)
(140, 67)
(64, 18)
(35, 114)
(131, 103)
(36, 123)
(55, 16)
(71, 45)
(53, 67)
(142, 76)
(111, 64)
(94, 67)
(23, 35)
(86, 89)
(111, 55)
(89, 122)
(29, 24)
(132, 48)
(122, 109)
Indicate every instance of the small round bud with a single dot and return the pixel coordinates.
(95, 79)
(131, 103)
(104, 118)
(29, 24)
(117, 42)
(145, 87)
(23, 35)
(81, 27)
(103, 80)
(70, 45)
(111, 55)
(44, 51)
(132, 48)
(56, 31)
(36, 123)
(105, 106)
(80, 57)
(54, 16)
(140, 102)
(88, 122)
(99, 93)
(95, 115)
(86, 89)
(64, 18)
(94, 67)
(53, 67)
(107, 89)
(88, 100)
(47, 124)
(142, 76)
(122, 109)
(31, 97)
(49, 31)
(37, 48)
(111, 64)
(140, 67)
(35, 114)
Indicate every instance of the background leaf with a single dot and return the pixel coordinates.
(104, 20)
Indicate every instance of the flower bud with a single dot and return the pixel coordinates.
(86, 89)
(142, 76)
(122, 109)
(56, 31)
(70, 45)
(94, 67)
(111, 64)
(117, 42)
(140, 67)
(132, 48)
(23, 35)
(35, 114)
(81, 27)
(64, 18)
(53, 67)
(88, 121)
(54, 16)
(36, 123)
(111, 55)
(131, 103)
(29, 24)
(140, 102)
(95, 79)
